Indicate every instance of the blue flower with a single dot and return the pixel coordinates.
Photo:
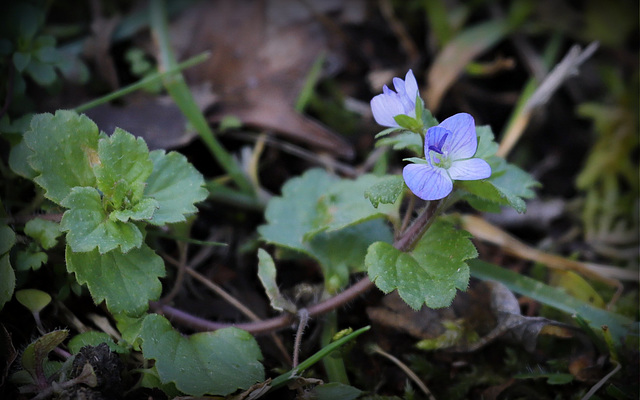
(387, 105)
(449, 149)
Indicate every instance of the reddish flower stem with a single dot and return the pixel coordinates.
(404, 242)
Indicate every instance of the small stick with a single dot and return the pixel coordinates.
(226, 296)
(404, 243)
(601, 382)
(412, 375)
(565, 69)
(182, 266)
(303, 315)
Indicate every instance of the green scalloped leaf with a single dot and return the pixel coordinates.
(388, 131)
(267, 275)
(127, 282)
(290, 216)
(508, 185)
(487, 145)
(7, 280)
(18, 157)
(385, 191)
(7, 275)
(342, 252)
(44, 74)
(176, 185)
(142, 210)
(151, 379)
(20, 152)
(124, 166)
(309, 205)
(94, 338)
(30, 258)
(21, 60)
(344, 204)
(431, 273)
(404, 140)
(216, 363)
(64, 149)
(129, 328)
(410, 123)
(7, 237)
(45, 232)
(88, 226)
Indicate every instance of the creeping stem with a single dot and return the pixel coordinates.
(404, 243)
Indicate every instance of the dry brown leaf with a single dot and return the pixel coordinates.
(488, 308)
(455, 56)
(7, 351)
(261, 52)
(427, 323)
(98, 45)
(155, 118)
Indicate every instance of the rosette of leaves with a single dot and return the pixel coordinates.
(436, 267)
(508, 184)
(30, 52)
(329, 220)
(112, 188)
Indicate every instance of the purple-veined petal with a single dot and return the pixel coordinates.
(469, 170)
(434, 137)
(386, 106)
(411, 86)
(386, 90)
(463, 142)
(427, 182)
(398, 84)
(408, 103)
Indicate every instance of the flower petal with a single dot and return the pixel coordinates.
(408, 102)
(386, 106)
(463, 143)
(434, 137)
(411, 86)
(399, 85)
(427, 182)
(469, 170)
(386, 90)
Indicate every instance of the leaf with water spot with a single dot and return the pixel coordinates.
(63, 149)
(215, 363)
(429, 274)
(385, 191)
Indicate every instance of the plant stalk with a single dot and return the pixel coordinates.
(404, 243)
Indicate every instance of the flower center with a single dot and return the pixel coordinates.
(439, 155)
